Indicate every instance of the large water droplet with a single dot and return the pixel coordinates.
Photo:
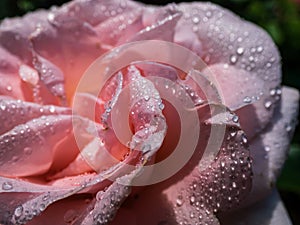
(240, 51)
(3, 107)
(268, 104)
(179, 201)
(247, 99)
(267, 148)
(192, 199)
(235, 119)
(233, 59)
(7, 186)
(52, 109)
(9, 88)
(260, 49)
(196, 19)
(19, 211)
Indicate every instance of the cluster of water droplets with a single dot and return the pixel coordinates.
(221, 185)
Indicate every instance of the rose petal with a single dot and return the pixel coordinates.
(28, 148)
(71, 32)
(109, 201)
(65, 211)
(227, 39)
(269, 150)
(15, 112)
(34, 199)
(162, 28)
(239, 96)
(11, 85)
(269, 211)
(194, 195)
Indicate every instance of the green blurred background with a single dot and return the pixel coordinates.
(281, 18)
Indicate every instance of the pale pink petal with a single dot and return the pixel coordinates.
(11, 85)
(242, 92)
(269, 150)
(162, 27)
(15, 112)
(71, 32)
(66, 211)
(194, 195)
(28, 149)
(220, 37)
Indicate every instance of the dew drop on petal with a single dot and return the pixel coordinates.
(247, 99)
(9, 88)
(233, 59)
(52, 109)
(267, 148)
(260, 49)
(268, 104)
(240, 51)
(7, 186)
(3, 107)
(42, 207)
(235, 119)
(288, 128)
(19, 211)
(179, 201)
(233, 184)
(196, 19)
(192, 199)
(147, 98)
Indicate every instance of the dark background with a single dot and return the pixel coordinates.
(281, 18)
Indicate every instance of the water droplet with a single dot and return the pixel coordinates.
(260, 49)
(223, 164)
(267, 148)
(192, 199)
(42, 207)
(51, 17)
(233, 184)
(196, 20)
(192, 215)
(2, 107)
(9, 88)
(244, 139)
(235, 119)
(28, 150)
(272, 92)
(7, 186)
(19, 211)
(161, 106)
(240, 51)
(268, 104)
(52, 109)
(146, 97)
(288, 128)
(247, 99)
(179, 201)
(233, 59)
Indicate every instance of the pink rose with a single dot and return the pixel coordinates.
(64, 156)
